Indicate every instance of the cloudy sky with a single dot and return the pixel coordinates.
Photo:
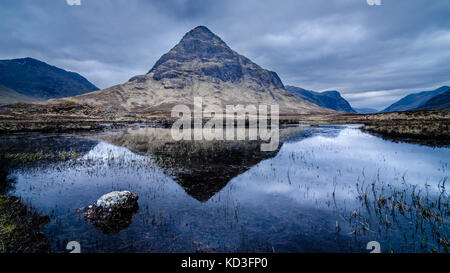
(373, 55)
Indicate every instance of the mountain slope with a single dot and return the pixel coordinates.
(200, 65)
(327, 99)
(37, 79)
(415, 100)
(440, 102)
(8, 96)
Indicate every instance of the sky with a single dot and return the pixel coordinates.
(372, 54)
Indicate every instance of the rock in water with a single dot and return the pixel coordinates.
(113, 211)
(116, 198)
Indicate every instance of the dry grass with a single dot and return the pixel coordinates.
(69, 116)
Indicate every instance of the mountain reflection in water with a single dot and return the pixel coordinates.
(326, 189)
(202, 168)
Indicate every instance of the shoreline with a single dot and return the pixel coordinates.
(430, 126)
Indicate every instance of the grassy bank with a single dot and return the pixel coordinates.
(67, 117)
(19, 228)
(427, 127)
(417, 126)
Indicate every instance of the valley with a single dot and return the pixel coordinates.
(335, 180)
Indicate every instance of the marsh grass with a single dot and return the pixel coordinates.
(418, 215)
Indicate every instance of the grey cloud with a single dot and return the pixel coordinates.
(372, 54)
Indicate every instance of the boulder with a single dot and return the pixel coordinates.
(113, 211)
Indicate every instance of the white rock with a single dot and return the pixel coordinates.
(113, 198)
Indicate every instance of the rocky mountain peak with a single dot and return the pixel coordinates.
(201, 33)
(203, 54)
(201, 65)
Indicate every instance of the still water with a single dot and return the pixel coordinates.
(326, 189)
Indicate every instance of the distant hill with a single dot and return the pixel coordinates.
(440, 102)
(36, 79)
(366, 110)
(413, 101)
(8, 96)
(327, 99)
(200, 65)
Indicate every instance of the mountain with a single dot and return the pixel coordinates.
(327, 99)
(366, 110)
(201, 65)
(8, 96)
(415, 100)
(440, 102)
(36, 79)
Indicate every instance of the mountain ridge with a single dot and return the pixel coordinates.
(439, 102)
(415, 100)
(39, 80)
(331, 99)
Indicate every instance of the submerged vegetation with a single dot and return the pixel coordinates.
(414, 212)
(41, 156)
